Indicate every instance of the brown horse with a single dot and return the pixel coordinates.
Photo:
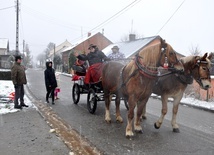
(135, 80)
(174, 85)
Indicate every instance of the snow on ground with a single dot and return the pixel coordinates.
(6, 95)
(7, 105)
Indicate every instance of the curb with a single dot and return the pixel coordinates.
(188, 105)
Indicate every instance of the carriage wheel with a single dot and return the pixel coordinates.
(91, 101)
(126, 104)
(76, 93)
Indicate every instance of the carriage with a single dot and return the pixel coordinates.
(94, 90)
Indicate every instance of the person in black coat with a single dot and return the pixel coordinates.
(50, 81)
(95, 58)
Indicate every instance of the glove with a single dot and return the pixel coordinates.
(15, 86)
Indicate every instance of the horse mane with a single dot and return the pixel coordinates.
(150, 54)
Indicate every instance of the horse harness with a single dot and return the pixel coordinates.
(188, 79)
(143, 69)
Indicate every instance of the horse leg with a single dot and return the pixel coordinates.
(140, 106)
(130, 116)
(118, 115)
(176, 102)
(143, 115)
(107, 103)
(164, 100)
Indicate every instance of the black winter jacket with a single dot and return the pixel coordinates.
(50, 78)
(93, 57)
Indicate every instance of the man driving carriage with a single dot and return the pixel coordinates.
(95, 57)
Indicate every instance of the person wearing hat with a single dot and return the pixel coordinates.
(95, 58)
(116, 54)
(18, 77)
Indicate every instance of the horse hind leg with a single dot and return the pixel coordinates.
(158, 123)
(107, 104)
(117, 104)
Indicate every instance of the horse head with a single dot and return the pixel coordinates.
(168, 58)
(201, 71)
(199, 68)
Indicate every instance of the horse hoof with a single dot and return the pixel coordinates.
(176, 130)
(139, 131)
(156, 127)
(108, 121)
(119, 121)
(129, 134)
(144, 117)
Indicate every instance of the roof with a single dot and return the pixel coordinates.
(59, 48)
(129, 48)
(78, 42)
(4, 43)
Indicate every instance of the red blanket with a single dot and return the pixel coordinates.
(93, 73)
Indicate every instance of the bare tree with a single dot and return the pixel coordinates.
(27, 57)
(41, 59)
(48, 49)
(195, 50)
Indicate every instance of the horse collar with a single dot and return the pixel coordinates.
(144, 70)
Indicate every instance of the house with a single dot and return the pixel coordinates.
(4, 53)
(58, 49)
(133, 46)
(4, 46)
(82, 45)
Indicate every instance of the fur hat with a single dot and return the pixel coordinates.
(18, 57)
(92, 46)
(115, 47)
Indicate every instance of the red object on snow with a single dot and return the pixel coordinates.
(12, 96)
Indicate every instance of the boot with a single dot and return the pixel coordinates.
(17, 107)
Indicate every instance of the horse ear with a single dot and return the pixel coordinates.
(210, 56)
(204, 57)
(163, 43)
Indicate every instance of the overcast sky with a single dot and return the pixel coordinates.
(44, 21)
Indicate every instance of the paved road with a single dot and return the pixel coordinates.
(196, 126)
(26, 133)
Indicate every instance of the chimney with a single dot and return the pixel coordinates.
(132, 37)
(89, 34)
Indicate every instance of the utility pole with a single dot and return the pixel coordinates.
(23, 57)
(54, 56)
(17, 27)
(23, 47)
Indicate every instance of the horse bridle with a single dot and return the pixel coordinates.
(199, 79)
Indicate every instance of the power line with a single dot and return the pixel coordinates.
(124, 9)
(170, 17)
(47, 18)
(114, 16)
(7, 8)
